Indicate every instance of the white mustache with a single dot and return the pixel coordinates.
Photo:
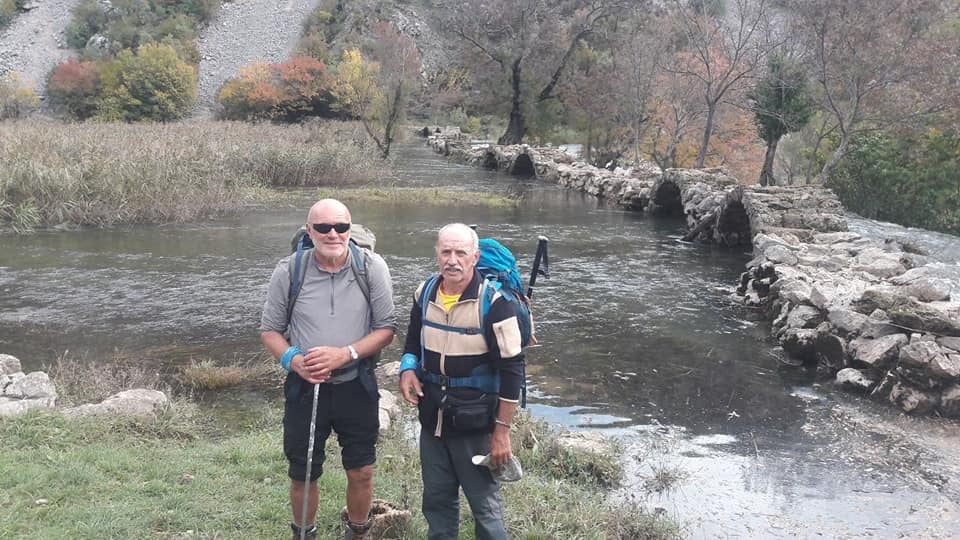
(456, 267)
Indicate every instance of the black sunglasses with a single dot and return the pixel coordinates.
(324, 228)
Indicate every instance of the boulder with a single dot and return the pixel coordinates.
(9, 365)
(140, 402)
(35, 385)
(952, 343)
(877, 353)
(847, 322)
(950, 401)
(919, 353)
(800, 343)
(831, 352)
(912, 400)
(857, 380)
(804, 317)
(946, 366)
(929, 289)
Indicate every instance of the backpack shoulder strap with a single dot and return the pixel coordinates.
(358, 264)
(297, 269)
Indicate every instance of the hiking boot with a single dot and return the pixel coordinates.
(310, 534)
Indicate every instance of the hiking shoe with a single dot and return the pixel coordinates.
(310, 534)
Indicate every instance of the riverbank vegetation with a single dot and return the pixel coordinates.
(421, 197)
(103, 174)
(179, 475)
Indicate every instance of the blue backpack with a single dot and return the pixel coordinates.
(498, 266)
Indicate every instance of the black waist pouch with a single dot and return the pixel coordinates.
(469, 412)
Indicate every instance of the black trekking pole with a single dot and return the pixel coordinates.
(541, 265)
(306, 481)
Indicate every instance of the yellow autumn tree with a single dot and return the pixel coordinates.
(16, 97)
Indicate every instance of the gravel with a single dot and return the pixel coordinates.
(243, 32)
(34, 42)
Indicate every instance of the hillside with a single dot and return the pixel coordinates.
(34, 42)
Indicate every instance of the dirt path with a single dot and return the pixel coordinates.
(243, 32)
(34, 42)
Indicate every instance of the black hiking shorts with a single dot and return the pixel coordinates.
(346, 409)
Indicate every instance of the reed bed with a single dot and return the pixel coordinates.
(106, 174)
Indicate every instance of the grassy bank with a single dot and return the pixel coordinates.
(421, 197)
(163, 478)
(104, 174)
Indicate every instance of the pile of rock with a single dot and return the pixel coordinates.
(21, 392)
(874, 316)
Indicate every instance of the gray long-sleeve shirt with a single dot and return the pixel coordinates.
(331, 309)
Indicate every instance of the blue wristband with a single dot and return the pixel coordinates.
(408, 361)
(288, 356)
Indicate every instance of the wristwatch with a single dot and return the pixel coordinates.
(353, 353)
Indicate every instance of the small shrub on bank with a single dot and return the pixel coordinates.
(76, 382)
(151, 84)
(288, 91)
(74, 87)
(17, 99)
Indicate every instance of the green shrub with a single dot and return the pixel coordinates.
(153, 84)
(89, 18)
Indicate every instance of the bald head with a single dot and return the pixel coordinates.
(326, 209)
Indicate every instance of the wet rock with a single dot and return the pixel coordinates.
(831, 353)
(877, 353)
(950, 401)
(913, 400)
(137, 402)
(882, 391)
(952, 343)
(794, 290)
(919, 353)
(946, 366)
(780, 255)
(804, 317)
(857, 380)
(800, 344)
(847, 322)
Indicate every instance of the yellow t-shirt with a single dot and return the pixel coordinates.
(448, 300)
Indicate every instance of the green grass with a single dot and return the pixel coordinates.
(123, 478)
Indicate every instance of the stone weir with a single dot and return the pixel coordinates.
(879, 318)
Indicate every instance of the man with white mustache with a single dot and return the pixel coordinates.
(464, 371)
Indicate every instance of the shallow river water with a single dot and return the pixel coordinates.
(638, 336)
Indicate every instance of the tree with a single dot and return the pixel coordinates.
(399, 70)
(863, 54)
(781, 104)
(720, 53)
(74, 88)
(153, 84)
(528, 43)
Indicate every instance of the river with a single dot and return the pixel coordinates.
(639, 339)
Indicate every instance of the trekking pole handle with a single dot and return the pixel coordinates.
(541, 265)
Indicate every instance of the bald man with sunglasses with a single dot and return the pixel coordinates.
(328, 340)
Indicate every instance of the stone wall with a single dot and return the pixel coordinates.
(877, 318)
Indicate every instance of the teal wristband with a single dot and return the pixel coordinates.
(408, 361)
(288, 356)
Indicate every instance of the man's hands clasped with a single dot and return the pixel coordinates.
(318, 363)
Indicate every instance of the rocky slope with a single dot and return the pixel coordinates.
(34, 42)
(243, 32)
